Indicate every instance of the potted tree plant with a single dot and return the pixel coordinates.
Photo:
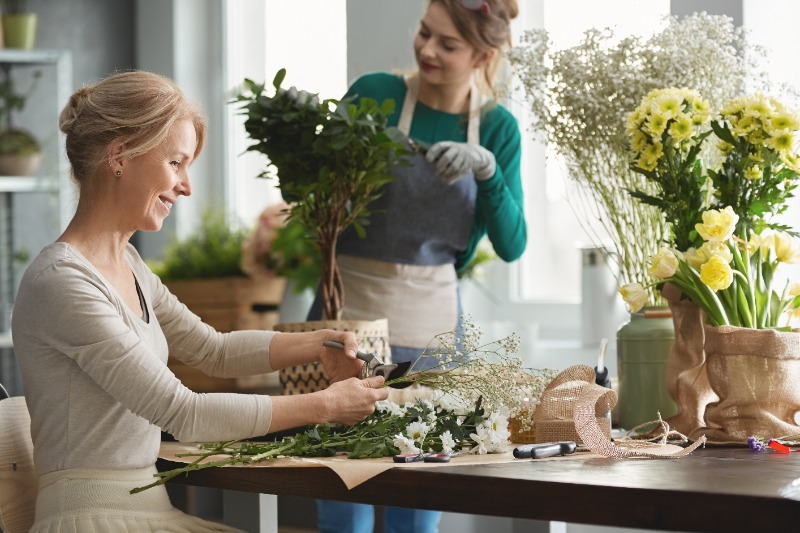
(331, 159)
(20, 152)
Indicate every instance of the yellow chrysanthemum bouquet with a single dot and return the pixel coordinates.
(724, 249)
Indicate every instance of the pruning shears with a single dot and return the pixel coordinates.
(374, 366)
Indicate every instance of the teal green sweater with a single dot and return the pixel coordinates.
(498, 212)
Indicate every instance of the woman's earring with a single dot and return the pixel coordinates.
(118, 173)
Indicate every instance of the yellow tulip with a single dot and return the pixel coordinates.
(718, 225)
(663, 264)
(634, 295)
(716, 273)
(787, 249)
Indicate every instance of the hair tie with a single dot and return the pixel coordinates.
(477, 5)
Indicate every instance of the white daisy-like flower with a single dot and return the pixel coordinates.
(416, 431)
(404, 444)
(448, 442)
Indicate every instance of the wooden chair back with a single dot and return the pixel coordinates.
(18, 481)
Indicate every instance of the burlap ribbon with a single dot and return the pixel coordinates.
(573, 407)
(687, 377)
(755, 373)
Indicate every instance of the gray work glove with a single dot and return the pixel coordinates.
(301, 97)
(452, 161)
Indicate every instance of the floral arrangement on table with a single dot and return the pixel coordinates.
(579, 98)
(280, 245)
(726, 248)
(475, 389)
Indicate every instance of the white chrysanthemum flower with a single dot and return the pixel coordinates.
(448, 442)
(404, 444)
(481, 439)
(416, 431)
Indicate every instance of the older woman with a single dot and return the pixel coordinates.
(93, 327)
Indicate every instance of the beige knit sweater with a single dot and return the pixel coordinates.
(95, 373)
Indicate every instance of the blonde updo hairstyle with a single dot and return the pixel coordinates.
(484, 29)
(139, 108)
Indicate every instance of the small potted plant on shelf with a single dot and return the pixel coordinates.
(20, 151)
(19, 25)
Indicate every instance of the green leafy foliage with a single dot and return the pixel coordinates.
(18, 142)
(371, 438)
(296, 255)
(214, 250)
(331, 159)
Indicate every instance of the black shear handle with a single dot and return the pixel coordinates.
(366, 357)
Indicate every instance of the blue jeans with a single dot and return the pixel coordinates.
(343, 517)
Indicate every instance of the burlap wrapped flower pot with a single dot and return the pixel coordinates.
(687, 378)
(755, 373)
(372, 335)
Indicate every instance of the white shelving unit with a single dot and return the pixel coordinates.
(54, 179)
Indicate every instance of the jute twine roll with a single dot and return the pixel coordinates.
(573, 407)
(553, 419)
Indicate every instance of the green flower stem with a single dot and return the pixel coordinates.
(744, 309)
(742, 268)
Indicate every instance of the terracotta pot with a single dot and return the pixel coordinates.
(20, 165)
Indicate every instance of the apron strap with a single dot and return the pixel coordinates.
(410, 103)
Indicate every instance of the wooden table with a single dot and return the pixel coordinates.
(713, 489)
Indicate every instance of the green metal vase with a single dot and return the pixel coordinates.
(643, 347)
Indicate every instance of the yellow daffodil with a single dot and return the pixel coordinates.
(716, 273)
(634, 295)
(718, 224)
(663, 264)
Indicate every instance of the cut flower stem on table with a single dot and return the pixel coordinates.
(475, 389)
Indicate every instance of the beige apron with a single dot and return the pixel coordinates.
(419, 300)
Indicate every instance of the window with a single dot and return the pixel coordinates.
(550, 268)
(306, 37)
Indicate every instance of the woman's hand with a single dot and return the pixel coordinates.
(340, 364)
(352, 400)
(452, 161)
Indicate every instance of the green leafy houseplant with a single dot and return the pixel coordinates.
(280, 246)
(331, 159)
(16, 143)
(213, 251)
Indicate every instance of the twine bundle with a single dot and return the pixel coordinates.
(574, 408)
